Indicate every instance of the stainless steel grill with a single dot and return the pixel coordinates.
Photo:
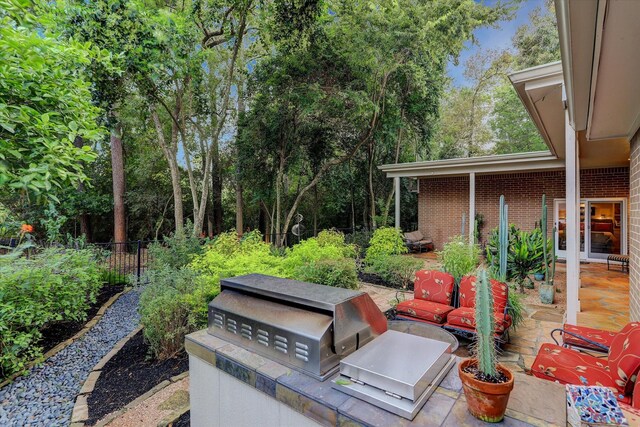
(306, 326)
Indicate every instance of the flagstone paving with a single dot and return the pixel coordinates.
(604, 297)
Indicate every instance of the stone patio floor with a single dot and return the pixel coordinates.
(604, 299)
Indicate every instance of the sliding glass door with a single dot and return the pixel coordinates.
(605, 228)
(602, 228)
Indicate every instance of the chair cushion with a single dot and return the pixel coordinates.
(432, 285)
(414, 236)
(598, 335)
(426, 310)
(468, 293)
(566, 366)
(465, 317)
(624, 357)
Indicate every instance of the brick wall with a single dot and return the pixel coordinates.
(634, 229)
(442, 201)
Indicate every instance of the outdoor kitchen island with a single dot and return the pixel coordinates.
(279, 352)
(232, 386)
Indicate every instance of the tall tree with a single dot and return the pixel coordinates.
(117, 27)
(366, 67)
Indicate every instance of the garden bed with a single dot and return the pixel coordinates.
(129, 374)
(374, 279)
(184, 420)
(58, 332)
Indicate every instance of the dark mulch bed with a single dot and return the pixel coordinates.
(184, 420)
(374, 279)
(130, 374)
(58, 332)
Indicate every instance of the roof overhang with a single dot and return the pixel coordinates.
(599, 41)
(504, 163)
(540, 90)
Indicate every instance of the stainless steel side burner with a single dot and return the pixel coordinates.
(396, 371)
(306, 326)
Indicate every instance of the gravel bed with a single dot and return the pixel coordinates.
(46, 396)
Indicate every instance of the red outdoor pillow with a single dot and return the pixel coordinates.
(468, 293)
(434, 286)
(624, 357)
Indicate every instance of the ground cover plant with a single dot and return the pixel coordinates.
(51, 286)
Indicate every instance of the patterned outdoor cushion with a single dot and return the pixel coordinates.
(598, 335)
(465, 317)
(425, 310)
(435, 286)
(468, 293)
(555, 363)
(624, 357)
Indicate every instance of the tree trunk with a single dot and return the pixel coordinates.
(372, 195)
(279, 178)
(387, 206)
(117, 170)
(315, 211)
(174, 171)
(239, 201)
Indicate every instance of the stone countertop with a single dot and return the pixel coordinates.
(533, 402)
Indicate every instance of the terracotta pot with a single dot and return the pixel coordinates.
(486, 401)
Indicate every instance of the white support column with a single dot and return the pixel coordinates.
(572, 162)
(472, 206)
(396, 184)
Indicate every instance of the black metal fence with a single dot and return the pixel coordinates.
(124, 260)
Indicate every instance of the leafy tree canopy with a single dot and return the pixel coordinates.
(45, 102)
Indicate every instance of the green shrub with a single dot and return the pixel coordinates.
(228, 257)
(114, 277)
(397, 270)
(339, 273)
(173, 304)
(336, 239)
(459, 258)
(360, 240)
(175, 252)
(54, 285)
(384, 242)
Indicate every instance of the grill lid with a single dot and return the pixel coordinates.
(356, 318)
(307, 326)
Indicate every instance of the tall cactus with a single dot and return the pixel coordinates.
(485, 326)
(463, 225)
(550, 279)
(543, 226)
(503, 234)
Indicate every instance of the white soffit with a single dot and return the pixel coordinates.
(504, 163)
(540, 90)
(577, 30)
(615, 92)
(603, 153)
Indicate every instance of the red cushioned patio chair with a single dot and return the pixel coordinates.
(432, 295)
(461, 321)
(583, 338)
(618, 371)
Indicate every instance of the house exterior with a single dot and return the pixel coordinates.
(587, 109)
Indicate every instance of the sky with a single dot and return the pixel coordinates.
(495, 38)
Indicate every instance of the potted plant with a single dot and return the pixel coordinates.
(486, 384)
(547, 289)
